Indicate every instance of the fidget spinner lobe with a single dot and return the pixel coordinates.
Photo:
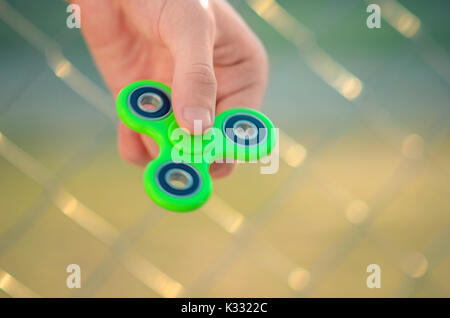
(182, 183)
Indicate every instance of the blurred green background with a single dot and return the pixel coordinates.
(363, 179)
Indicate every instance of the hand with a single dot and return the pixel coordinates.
(204, 51)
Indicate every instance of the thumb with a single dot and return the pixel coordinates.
(188, 31)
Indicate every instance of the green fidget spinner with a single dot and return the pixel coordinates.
(178, 179)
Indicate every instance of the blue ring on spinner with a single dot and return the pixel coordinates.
(186, 191)
(188, 176)
(164, 110)
(229, 131)
(255, 133)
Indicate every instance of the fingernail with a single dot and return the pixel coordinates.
(192, 114)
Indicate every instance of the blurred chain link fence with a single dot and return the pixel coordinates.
(305, 234)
